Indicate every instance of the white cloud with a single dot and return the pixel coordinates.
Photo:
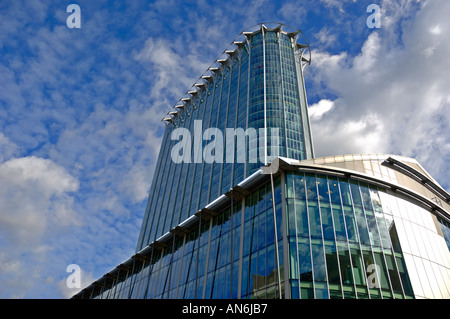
(175, 69)
(325, 38)
(316, 111)
(292, 11)
(36, 206)
(7, 148)
(34, 193)
(393, 96)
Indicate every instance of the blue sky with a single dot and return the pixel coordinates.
(81, 109)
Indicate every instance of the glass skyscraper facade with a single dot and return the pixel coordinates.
(287, 225)
(256, 88)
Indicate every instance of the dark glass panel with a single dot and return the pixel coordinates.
(304, 252)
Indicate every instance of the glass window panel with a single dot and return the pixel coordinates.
(304, 252)
(311, 187)
(261, 221)
(335, 196)
(244, 279)
(321, 291)
(299, 186)
(404, 277)
(350, 223)
(362, 226)
(373, 229)
(322, 187)
(319, 266)
(348, 211)
(382, 272)
(355, 193)
(401, 235)
(371, 271)
(366, 197)
(291, 213)
(289, 185)
(413, 275)
(307, 293)
(393, 273)
(358, 268)
(345, 264)
(295, 290)
(383, 230)
(394, 238)
(302, 218)
(293, 259)
(339, 223)
(314, 220)
(253, 284)
(332, 263)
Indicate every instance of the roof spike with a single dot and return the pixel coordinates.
(293, 33)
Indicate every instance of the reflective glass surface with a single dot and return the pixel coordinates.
(340, 246)
(310, 236)
(259, 88)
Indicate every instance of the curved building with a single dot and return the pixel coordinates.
(248, 107)
(287, 225)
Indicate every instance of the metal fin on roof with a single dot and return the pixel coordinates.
(168, 119)
(241, 43)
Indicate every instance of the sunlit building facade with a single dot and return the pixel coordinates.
(255, 86)
(289, 225)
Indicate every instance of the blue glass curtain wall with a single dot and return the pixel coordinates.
(340, 241)
(310, 236)
(232, 256)
(260, 88)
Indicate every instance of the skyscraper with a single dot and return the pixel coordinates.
(249, 107)
(240, 208)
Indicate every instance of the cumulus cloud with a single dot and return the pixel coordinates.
(34, 193)
(36, 205)
(317, 110)
(392, 97)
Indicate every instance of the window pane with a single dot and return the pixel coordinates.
(304, 253)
